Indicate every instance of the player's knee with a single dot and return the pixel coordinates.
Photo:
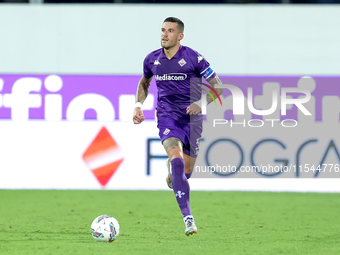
(177, 166)
(172, 144)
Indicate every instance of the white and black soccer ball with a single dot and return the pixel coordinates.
(105, 228)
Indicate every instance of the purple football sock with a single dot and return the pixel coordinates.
(188, 176)
(180, 185)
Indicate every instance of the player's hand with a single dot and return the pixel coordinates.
(193, 109)
(138, 116)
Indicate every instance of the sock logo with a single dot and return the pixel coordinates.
(180, 194)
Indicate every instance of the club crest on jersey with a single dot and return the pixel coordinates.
(182, 62)
(200, 58)
(166, 131)
(156, 63)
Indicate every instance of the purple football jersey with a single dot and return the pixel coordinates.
(175, 81)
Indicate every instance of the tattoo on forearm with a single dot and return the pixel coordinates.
(142, 92)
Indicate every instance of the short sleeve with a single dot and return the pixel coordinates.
(202, 67)
(146, 69)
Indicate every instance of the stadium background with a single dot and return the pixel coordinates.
(68, 75)
(69, 151)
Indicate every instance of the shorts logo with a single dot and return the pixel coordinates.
(166, 131)
(182, 62)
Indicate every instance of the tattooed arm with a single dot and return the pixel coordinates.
(141, 94)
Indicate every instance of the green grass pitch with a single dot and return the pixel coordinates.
(58, 222)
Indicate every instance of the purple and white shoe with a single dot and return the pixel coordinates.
(190, 226)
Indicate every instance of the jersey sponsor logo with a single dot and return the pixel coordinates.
(200, 58)
(207, 73)
(156, 63)
(166, 131)
(171, 77)
(182, 62)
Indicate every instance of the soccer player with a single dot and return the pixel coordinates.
(179, 116)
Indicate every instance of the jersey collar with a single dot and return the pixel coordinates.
(176, 56)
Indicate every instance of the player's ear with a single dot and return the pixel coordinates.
(180, 37)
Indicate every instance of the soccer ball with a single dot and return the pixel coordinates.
(105, 228)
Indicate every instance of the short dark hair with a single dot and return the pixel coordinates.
(179, 23)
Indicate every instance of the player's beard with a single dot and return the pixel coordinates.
(168, 46)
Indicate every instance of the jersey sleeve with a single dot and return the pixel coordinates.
(202, 67)
(146, 68)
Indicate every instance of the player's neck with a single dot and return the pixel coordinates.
(169, 53)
